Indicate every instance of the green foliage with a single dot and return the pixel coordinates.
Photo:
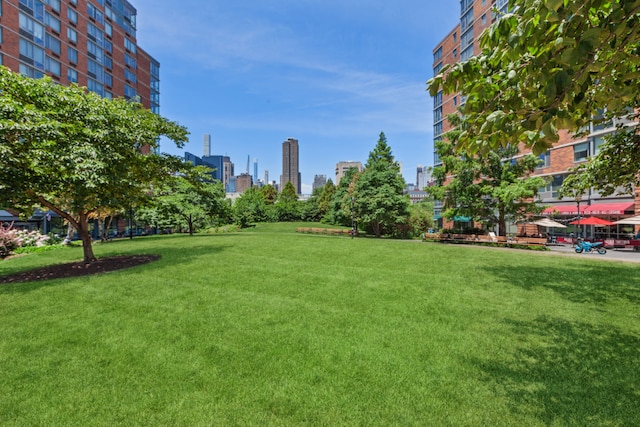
(74, 152)
(190, 200)
(269, 194)
(380, 204)
(340, 211)
(552, 65)
(326, 197)
(491, 188)
(250, 208)
(420, 217)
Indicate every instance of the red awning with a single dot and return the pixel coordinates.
(562, 210)
(618, 208)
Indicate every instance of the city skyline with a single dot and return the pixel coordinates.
(333, 75)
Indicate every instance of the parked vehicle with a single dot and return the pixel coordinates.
(589, 247)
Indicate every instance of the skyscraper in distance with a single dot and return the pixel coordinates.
(206, 145)
(290, 165)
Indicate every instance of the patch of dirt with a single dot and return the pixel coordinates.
(77, 269)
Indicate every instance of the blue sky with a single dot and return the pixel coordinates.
(332, 74)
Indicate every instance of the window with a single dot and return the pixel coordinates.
(31, 53)
(95, 87)
(130, 61)
(483, 19)
(437, 69)
(108, 80)
(129, 92)
(94, 51)
(31, 28)
(597, 142)
(467, 39)
(455, 53)
(580, 151)
(52, 44)
(74, 2)
(108, 29)
(437, 129)
(94, 33)
(467, 53)
(437, 54)
(108, 46)
(55, 4)
(52, 22)
(72, 55)
(437, 100)
(455, 101)
(129, 45)
(455, 37)
(72, 35)
(0, 37)
(437, 114)
(466, 21)
(94, 13)
(72, 15)
(108, 63)
(72, 75)
(545, 160)
(130, 76)
(35, 7)
(30, 71)
(52, 66)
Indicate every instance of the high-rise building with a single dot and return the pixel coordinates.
(255, 170)
(343, 167)
(290, 165)
(319, 181)
(244, 181)
(206, 145)
(91, 43)
(556, 164)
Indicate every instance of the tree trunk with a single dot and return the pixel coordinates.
(87, 248)
(502, 224)
(190, 222)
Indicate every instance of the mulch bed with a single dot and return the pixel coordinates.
(77, 269)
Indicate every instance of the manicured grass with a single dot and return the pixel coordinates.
(270, 327)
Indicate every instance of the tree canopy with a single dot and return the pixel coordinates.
(379, 200)
(71, 151)
(550, 65)
(490, 188)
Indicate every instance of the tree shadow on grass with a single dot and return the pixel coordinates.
(577, 283)
(575, 373)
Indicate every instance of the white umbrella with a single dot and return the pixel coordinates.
(546, 222)
(634, 220)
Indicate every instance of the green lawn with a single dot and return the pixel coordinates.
(270, 327)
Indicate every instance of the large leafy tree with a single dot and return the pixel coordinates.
(189, 200)
(73, 152)
(550, 65)
(287, 207)
(326, 195)
(492, 188)
(340, 210)
(250, 208)
(379, 200)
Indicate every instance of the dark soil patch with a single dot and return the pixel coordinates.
(76, 269)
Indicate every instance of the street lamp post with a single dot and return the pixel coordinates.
(578, 199)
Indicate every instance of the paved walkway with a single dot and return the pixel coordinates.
(627, 255)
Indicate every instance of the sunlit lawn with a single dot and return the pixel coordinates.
(270, 327)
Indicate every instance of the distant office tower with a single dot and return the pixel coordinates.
(423, 177)
(243, 182)
(290, 165)
(227, 173)
(217, 164)
(255, 170)
(319, 181)
(206, 145)
(342, 167)
(266, 177)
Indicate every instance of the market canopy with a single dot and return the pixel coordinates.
(634, 220)
(592, 220)
(546, 222)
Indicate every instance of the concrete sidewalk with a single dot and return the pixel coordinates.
(627, 255)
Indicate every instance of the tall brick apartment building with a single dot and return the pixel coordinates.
(88, 42)
(461, 44)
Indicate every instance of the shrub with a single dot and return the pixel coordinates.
(8, 240)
